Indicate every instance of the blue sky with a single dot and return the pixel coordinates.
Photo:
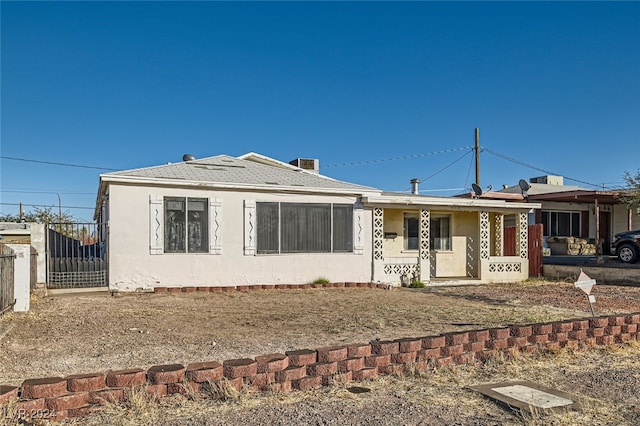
(122, 85)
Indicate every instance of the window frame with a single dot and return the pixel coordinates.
(291, 238)
(551, 223)
(437, 218)
(186, 221)
(407, 239)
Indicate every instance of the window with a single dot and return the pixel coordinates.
(304, 228)
(561, 224)
(410, 233)
(440, 232)
(185, 225)
(342, 228)
(268, 227)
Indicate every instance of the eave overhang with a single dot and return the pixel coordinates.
(446, 203)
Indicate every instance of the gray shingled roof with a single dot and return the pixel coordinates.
(231, 170)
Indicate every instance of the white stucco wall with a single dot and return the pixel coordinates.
(620, 217)
(394, 222)
(21, 276)
(508, 273)
(132, 267)
(464, 237)
(38, 242)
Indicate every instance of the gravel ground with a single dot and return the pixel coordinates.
(88, 333)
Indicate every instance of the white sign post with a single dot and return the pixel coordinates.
(585, 283)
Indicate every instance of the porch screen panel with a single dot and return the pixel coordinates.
(267, 228)
(564, 224)
(305, 228)
(546, 223)
(575, 224)
(342, 228)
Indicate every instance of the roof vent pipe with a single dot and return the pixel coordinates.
(415, 186)
(188, 157)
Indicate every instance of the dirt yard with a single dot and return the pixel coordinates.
(65, 335)
(82, 334)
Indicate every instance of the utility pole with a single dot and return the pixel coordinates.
(477, 151)
(59, 208)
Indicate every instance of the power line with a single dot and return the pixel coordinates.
(28, 191)
(46, 205)
(53, 163)
(403, 157)
(522, 163)
(466, 180)
(444, 168)
(447, 166)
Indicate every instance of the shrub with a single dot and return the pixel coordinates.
(321, 280)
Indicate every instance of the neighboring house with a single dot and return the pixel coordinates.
(254, 220)
(571, 211)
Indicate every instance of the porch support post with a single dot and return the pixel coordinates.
(424, 260)
(597, 214)
(499, 234)
(485, 236)
(378, 236)
(522, 236)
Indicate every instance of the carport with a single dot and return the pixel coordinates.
(596, 200)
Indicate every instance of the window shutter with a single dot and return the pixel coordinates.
(358, 229)
(215, 226)
(156, 224)
(249, 227)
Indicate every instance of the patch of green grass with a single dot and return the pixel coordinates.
(321, 280)
(416, 284)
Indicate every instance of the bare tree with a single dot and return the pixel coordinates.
(61, 220)
(631, 196)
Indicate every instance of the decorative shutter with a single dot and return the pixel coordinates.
(358, 229)
(215, 226)
(156, 224)
(249, 227)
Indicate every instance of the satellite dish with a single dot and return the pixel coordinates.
(476, 189)
(524, 185)
(188, 157)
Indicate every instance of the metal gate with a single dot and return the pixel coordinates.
(7, 259)
(76, 256)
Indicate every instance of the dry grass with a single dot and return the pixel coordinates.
(8, 414)
(82, 334)
(96, 333)
(439, 396)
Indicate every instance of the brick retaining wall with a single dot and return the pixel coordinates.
(78, 395)
(218, 289)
